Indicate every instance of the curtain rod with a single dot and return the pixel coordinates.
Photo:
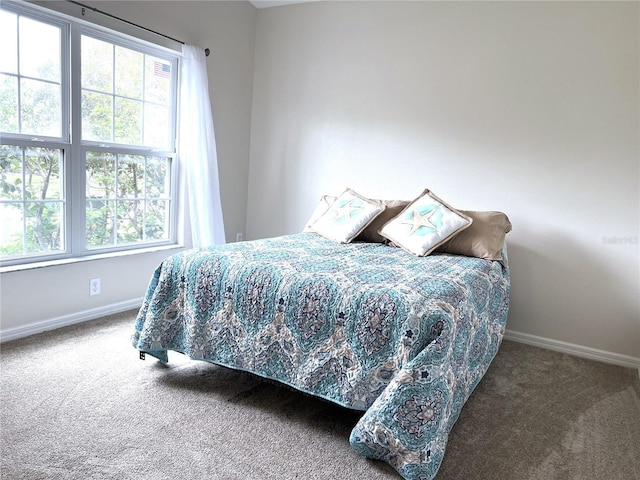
(206, 50)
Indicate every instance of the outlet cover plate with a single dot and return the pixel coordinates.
(94, 286)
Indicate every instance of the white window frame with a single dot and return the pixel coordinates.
(74, 149)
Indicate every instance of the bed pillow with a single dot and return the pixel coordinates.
(483, 239)
(347, 216)
(370, 233)
(424, 224)
(323, 205)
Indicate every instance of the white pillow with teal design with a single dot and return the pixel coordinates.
(323, 206)
(426, 223)
(347, 216)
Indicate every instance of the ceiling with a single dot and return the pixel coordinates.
(276, 3)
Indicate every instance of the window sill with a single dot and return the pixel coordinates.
(88, 258)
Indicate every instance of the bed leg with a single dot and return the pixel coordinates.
(142, 356)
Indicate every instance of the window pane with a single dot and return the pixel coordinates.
(97, 65)
(131, 177)
(139, 110)
(11, 213)
(8, 42)
(157, 220)
(100, 174)
(29, 224)
(100, 222)
(10, 172)
(43, 174)
(44, 227)
(32, 198)
(129, 73)
(11, 233)
(97, 117)
(157, 177)
(40, 106)
(128, 121)
(157, 86)
(157, 126)
(39, 49)
(8, 104)
(127, 181)
(130, 221)
(31, 97)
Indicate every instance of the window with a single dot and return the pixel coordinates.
(87, 155)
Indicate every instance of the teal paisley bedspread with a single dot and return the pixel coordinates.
(370, 327)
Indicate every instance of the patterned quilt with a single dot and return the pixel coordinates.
(367, 326)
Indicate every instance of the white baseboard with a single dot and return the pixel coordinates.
(573, 349)
(66, 320)
(556, 345)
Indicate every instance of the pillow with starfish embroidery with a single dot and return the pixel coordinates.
(347, 216)
(426, 223)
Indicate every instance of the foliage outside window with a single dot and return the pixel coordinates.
(32, 207)
(112, 187)
(127, 199)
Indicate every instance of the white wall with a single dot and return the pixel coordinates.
(528, 108)
(50, 296)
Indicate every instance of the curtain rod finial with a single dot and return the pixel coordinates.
(207, 52)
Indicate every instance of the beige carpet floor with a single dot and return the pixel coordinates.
(77, 403)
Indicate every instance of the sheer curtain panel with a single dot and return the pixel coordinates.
(197, 151)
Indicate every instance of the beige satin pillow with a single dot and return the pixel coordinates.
(370, 233)
(484, 238)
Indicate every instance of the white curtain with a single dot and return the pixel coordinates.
(197, 155)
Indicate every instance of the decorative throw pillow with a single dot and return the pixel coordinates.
(370, 233)
(483, 239)
(323, 205)
(426, 223)
(347, 216)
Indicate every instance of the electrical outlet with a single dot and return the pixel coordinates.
(239, 237)
(94, 286)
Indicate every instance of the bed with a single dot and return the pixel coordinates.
(370, 326)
